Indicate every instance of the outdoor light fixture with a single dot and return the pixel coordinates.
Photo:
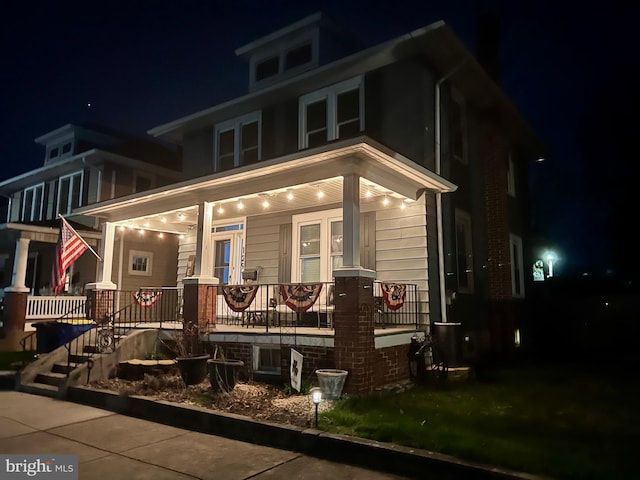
(316, 397)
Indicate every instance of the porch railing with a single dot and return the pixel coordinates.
(269, 307)
(51, 308)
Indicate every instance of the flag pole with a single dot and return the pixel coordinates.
(78, 235)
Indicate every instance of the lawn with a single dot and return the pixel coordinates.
(560, 421)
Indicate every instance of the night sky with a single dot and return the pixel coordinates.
(569, 70)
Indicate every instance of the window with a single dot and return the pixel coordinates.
(266, 359)
(511, 180)
(284, 61)
(464, 252)
(228, 252)
(317, 246)
(332, 113)
(66, 148)
(298, 56)
(140, 263)
(238, 142)
(142, 182)
(267, 68)
(458, 127)
(69, 193)
(32, 203)
(53, 153)
(517, 264)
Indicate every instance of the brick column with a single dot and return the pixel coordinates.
(100, 303)
(495, 165)
(15, 310)
(354, 341)
(199, 301)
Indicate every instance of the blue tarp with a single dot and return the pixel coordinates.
(51, 335)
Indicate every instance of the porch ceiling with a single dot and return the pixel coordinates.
(307, 179)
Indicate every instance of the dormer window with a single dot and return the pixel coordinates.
(66, 148)
(54, 152)
(267, 68)
(238, 142)
(298, 56)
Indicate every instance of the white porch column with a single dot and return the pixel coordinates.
(19, 274)
(351, 220)
(105, 267)
(203, 267)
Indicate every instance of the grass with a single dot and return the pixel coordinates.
(7, 358)
(562, 422)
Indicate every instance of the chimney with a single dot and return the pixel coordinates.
(488, 44)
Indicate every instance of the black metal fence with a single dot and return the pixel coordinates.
(303, 305)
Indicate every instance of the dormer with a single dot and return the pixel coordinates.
(292, 50)
(70, 140)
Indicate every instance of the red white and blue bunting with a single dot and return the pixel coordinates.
(394, 294)
(239, 297)
(300, 297)
(147, 298)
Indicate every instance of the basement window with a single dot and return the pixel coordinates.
(266, 359)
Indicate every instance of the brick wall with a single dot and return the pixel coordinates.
(391, 365)
(495, 164)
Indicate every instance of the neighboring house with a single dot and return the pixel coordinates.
(82, 165)
(403, 163)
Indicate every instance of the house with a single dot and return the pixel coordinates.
(83, 164)
(386, 186)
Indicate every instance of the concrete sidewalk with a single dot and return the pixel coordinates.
(110, 445)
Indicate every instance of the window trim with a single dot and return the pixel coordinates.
(140, 253)
(516, 240)
(324, 218)
(462, 105)
(69, 208)
(330, 95)
(24, 198)
(236, 124)
(511, 179)
(464, 218)
(256, 359)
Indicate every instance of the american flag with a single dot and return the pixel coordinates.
(69, 248)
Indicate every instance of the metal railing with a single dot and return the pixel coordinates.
(269, 306)
(396, 304)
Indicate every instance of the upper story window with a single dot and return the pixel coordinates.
(32, 203)
(142, 182)
(517, 266)
(238, 142)
(331, 113)
(69, 192)
(458, 127)
(54, 152)
(464, 252)
(66, 148)
(267, 68)
(511, 177)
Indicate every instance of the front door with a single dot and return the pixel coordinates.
(228, 248)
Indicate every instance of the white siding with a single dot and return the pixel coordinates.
(186, 247)
(263, 245)
(401, 249)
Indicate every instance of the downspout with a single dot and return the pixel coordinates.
(439, 221)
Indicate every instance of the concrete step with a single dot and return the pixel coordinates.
(78, 359)
(39, 389)
(51, 378)
(64, 368)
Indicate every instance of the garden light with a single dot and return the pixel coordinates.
(316, 397)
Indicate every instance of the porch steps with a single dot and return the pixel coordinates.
(51, 378)
(39, 389)
(64, 368)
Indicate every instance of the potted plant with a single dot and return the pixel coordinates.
(191, 359)
(223, 372)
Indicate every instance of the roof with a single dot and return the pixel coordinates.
(436, 42)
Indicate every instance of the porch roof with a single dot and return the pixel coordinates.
(394, 174)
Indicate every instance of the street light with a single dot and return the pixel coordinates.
(550, 257)
(316, 397)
